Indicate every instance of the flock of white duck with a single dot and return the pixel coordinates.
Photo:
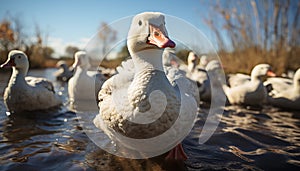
(138, 77)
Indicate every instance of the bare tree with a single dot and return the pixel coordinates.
(106, 36)
(260, 30)
(7, 38)
(70, 50)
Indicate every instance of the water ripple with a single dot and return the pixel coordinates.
(246, 139)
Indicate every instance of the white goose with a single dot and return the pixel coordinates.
(84, 86)
(194, 72)
(129, 104)
(239, 78)
(27, 93)
(288, 98)
(192, 61)
(253, 92)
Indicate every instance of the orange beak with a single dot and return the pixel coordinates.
(158, 37)
(271, 73)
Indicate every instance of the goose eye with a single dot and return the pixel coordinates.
(19, 57)
(140, 23)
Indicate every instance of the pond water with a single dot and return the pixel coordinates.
(267, 139)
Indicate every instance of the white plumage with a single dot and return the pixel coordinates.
(238, 79)
(287, 96)
(275, 85)
(27, 93)
(251, 92)
(131, 101)
(84, 86)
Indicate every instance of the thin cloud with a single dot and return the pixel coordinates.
(59, 45)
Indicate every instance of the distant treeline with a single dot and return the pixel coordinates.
(246, 32)
(40, 55)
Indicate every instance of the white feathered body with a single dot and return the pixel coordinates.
(30, 94)
(84, 85)
(251, 93)
(285, 94)
(133, 96)
(247, 90)
(141, 102)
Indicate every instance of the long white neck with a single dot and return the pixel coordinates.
(255, 77)
(18, 76)
(151, 58)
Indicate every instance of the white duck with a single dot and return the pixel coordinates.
(289, 97)
(239, 78)
(27, 93)
(253, 92)
(129, 104)
(84, 86)
(194, 72)
(63, 73)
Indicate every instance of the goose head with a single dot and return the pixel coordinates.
(260, 71)
(192, 61)
(81, 60)
(18, 61)
(148, 31)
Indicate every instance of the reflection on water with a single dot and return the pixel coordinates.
(268, 139)
(247, 139)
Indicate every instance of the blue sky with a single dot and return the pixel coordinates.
(76, 21)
